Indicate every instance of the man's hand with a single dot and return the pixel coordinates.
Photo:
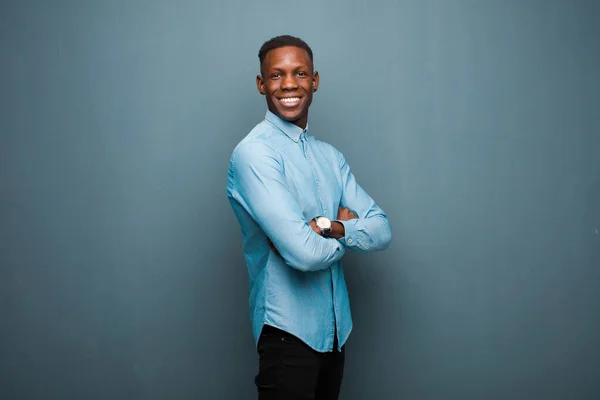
(345, 214)
(337, 228)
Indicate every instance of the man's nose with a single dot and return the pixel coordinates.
(289, 82)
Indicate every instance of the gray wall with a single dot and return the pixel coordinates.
(474, 124)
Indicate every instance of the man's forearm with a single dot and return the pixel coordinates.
(367, 234)
(337, 232)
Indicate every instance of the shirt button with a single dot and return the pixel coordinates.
(295, 139)
(318, 183)
(306, 154)
(325, 212)
(349, 240)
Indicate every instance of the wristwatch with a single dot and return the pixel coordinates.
(324, 224)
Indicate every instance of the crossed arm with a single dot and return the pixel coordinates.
(261, 189)
(337, 228)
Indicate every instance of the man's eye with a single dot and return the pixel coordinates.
(301, 73)
(275, 76)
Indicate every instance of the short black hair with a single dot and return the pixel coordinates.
(283, 41)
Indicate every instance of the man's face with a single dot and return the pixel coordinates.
(288, 82)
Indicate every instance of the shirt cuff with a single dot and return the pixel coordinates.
(349, 238)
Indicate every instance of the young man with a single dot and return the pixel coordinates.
(299, 208)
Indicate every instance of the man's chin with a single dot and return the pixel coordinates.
(289, 115)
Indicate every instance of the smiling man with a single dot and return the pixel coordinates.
(299, 209)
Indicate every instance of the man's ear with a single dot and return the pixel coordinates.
(260, 85)
(315, 81)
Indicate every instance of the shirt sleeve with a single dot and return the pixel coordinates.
(261, 189)
(371, 231)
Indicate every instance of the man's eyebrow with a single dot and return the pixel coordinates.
(295, 68)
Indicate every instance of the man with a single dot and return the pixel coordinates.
(299, 208)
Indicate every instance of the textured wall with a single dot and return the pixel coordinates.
(472, 123)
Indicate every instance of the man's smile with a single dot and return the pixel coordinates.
(290, 101)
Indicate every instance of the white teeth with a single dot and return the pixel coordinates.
(290, 99)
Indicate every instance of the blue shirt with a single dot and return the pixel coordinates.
(279, 179)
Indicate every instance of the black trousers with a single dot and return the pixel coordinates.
(290, 370)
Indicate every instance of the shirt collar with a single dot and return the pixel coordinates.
(292, 131)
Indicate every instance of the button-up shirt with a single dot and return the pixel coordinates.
(279, 179)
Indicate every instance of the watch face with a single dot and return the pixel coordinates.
(323, 223)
